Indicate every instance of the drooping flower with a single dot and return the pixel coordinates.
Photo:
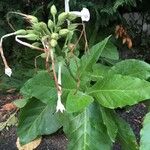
(60, 107)
(84, 14)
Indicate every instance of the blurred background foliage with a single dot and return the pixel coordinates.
(105, 15)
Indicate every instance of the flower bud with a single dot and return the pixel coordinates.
(53, 10)
(50, 24)
(62, 17)
(32, 37)
(21, 32)
(36, 27)
(53, 43)
(43, 55)
(55, 36)
(63, 32)
(44, 27)
(32, 19)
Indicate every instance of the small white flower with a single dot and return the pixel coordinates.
(8, 71)
(60, 107)
(84, 14)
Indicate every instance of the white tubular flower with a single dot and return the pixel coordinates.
(84, 14)
(60, 107)
(8, 71)
(67, 9)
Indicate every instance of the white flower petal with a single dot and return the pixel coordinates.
(8, 71)
(85, 14)
(60, 107)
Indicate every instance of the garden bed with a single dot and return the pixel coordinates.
(58, 141)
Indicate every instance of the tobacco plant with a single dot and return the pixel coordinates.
(76, 91)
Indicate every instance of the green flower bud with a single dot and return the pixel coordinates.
(53, 10)
(43, 55)
(44, 27)
(37, 27)
(63, 32)
(71, 17)
(55, 36)
(53, 43)
(21, 32)
(31, 37)
(50, 24)
(62, 17)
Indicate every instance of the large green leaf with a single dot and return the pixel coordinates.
(118, 91)
(91, 57)
(125, 134)
(77, 101)
(132, 67)
(110, 51)
(35, 119)
(86, 131)
(42, 86)
(108, 119)
(145, 134)
(99, 71)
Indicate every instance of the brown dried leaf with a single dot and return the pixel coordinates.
(30, 146)
(9, 107)
(124, 41)
(129, 43)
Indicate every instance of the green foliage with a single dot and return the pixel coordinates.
(86, 130)
(144, 142)
(84, 84)
(38, 120)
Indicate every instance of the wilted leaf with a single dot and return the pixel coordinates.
(9, 107)
(30, 146)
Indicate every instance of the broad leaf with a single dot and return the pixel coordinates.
(118, 91)
(110, 51)
(91, 57)
(99, 71)
(132, 67)
(35, 119)
(125, 134)
(145, 134)
(108, 119)
(77, 101)
(86, 131)
(42, 87)
(20, 103)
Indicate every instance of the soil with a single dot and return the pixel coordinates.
(58, 141)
